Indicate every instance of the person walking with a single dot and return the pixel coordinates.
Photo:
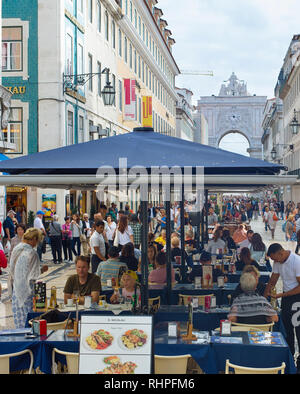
(287, 267)
(67, 240)
(55, 234)
(76, 228)
(137, 230)
(38, 224)
(25, 270)
(272, 221)
(86, 234)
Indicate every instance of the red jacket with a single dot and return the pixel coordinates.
(3, 260)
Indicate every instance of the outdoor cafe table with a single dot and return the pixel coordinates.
(212, 357)
(221, 293)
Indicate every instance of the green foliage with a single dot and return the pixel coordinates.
(30, 219)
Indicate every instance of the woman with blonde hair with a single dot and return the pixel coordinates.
(25, 270)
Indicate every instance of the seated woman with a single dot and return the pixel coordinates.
(228, 216)
(257, 248)
(216, 243)
(249, 307)
(230, 244)
(260, 288)
(127, 257)
(245, 259)
(128, 287)
(205, 259)
(159, 275)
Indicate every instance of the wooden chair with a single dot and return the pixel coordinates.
(154, 304)
(184, 298)
(171, 364)
(72, 361)
(255, 371)
(54, 326)
(4, 361)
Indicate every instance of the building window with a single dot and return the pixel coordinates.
(131, 12)
(80, 129)
(120, 96)
(91, 134)
(99, 77)
(12, 49)
(106, 26)
(99, 16)
(130, 55)
(70, 129)
(69, 54)
(125, 50)
(80, 6)
(140, 110)
(135, 61)
(90, 10)
(14, 131)
(113, 33)
(80, 59)
(120, 42)
(135, 19)
(90, 72)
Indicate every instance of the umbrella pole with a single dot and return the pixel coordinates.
(182, 235)
(168, 251)
(206, 216)
(144, 257)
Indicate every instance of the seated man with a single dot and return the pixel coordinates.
(205, 259)
(83, 283)
(111, 267)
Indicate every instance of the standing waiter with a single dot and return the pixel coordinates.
(287, 266)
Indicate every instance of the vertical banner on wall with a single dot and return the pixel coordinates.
(147, 111)
(130, 99)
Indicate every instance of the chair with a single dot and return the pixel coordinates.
(255, 371)
(171, 364)
(184, 299)
(72, 361)
(54, 326)
(4, 361)
(154, 304)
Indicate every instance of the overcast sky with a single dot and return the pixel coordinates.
(249, 37)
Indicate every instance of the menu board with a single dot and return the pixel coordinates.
(115, 345)
(265, 338)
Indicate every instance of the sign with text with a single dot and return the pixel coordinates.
(130, 99)
(147, 111)
(115, 345)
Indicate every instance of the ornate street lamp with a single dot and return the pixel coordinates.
(294, 125)
(70, 82)
(273, 154)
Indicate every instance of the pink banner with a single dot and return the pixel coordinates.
(130, 99)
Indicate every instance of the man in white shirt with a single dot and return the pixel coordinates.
(97, 243)
(287, 266)
(86, 232)
(38, 223)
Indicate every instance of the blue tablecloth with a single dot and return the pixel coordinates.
(189, 289)
(235, 278)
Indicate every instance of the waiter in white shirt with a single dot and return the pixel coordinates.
(38, 223)
(287, 266)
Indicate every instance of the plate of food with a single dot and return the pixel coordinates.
(98, 340)
(115, 366)
(133, 339)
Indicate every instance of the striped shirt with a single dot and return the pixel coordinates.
(109, 269)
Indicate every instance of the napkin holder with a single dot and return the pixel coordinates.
(75, 333)
(190, 336)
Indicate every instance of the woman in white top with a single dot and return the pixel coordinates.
(272, 220)
(216, 243)
(110, 230)
(123, 233)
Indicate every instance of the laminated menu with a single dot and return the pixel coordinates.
(265, 338)
(115, 345)
(229, 340)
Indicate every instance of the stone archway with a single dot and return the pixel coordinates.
(235, 141)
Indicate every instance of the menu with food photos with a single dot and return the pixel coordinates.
(115, 345)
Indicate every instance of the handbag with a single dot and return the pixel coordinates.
(83, 238)
(116, 240)
(275, 218)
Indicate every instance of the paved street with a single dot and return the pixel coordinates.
(58, 274)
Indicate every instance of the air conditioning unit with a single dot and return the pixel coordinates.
(97, 130)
